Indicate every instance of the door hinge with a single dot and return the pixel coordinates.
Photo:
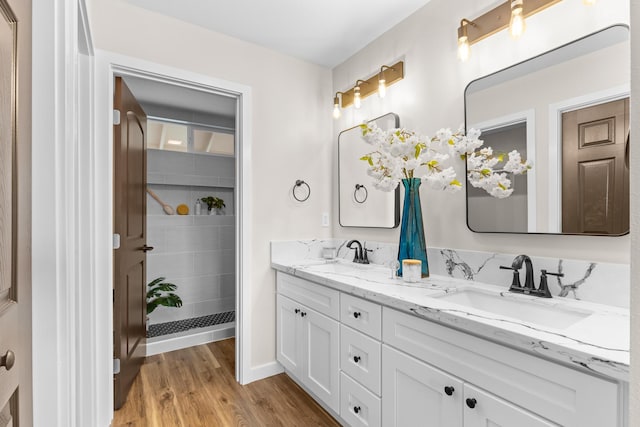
(116, 117)
(116, 241)
(116, 366)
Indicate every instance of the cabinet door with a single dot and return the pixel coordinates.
(416, 394)
(483, 409)
(289, 335)
(322, 361)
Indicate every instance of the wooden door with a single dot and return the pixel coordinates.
(483, 409)
(595, 179)
(416, 394)
(129, 305)
(14, 335)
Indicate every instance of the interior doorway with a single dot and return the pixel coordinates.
(108, 67)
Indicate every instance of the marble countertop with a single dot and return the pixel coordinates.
(596, 339)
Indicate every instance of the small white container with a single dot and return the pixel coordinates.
(411, 270)
(329, 252)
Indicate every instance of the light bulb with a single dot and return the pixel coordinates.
(588, 2)
(516, 24)
(336, 111)
(382, 87)
(464, 50)
(357, 101)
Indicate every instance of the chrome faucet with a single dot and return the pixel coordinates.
(529, 285)
(360, 256)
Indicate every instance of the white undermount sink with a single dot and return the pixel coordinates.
(340, 268)
(518, 307)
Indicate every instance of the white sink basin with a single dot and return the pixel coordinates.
(517, 307)
(350, 268)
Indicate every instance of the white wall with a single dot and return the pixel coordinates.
(431, 97)
(291, 130)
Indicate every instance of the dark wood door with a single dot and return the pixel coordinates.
(129, 305)
(595, 178)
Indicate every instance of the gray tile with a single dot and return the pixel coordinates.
(169, 265)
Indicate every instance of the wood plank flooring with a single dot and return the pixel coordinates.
(197, 387)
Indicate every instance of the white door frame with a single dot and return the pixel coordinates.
(529, 118)
(108, 65)
(555, 144)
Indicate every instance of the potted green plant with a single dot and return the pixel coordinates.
(160, 292)
(214, 203)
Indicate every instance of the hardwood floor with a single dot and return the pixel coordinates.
(197, 387)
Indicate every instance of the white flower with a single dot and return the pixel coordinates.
(515, 164)
(398, 153)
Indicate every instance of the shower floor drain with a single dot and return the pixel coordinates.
(167, 328)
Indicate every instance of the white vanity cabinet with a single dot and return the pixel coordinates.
(539, 392)
(376, 366)
(360, 361)
(416, 393)
(308, 340)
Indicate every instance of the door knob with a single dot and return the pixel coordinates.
(8, 360)
(146, 248)
(471, 403)
(356, 409)
(449, 390)
(356, 359)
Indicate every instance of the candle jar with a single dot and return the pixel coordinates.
(411, 270)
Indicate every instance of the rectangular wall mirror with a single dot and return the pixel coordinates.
(568, 111)
(360, 204)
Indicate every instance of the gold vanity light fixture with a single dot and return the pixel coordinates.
(336, 105)
(510, 14)
(382, 81)
(516, 23)
(388, 75)
(464, 49)
(357, 97)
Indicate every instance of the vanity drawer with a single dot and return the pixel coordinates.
(358, 406)
(560, 394)
(360, 358)
(362, 315)
(320, 298)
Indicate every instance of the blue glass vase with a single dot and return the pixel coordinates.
(412, 241)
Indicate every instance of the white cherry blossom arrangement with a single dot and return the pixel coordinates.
(398, 153)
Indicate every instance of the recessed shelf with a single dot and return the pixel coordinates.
(190, 180)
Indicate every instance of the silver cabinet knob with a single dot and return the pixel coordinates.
(8, 360)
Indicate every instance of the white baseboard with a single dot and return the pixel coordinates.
(190, 338)
(263, 371)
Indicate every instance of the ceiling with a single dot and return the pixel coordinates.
(324, 32)
(181, 98)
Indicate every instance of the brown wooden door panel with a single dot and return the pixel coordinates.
(136, 179)
(595, 180)
(129, 307)
(595, 200)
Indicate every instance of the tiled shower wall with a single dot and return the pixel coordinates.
(197, 253)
